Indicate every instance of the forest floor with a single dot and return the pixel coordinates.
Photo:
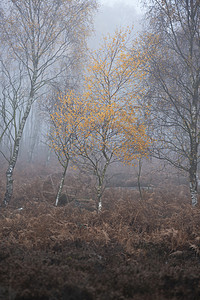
(133, 249)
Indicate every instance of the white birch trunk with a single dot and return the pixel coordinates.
(13, 160)
(193, 193)
(99, 194)
(61, 183)
(193, 155)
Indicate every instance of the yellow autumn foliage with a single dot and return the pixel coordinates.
(106, 119)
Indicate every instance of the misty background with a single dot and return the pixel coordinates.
(66, 73)
(113, 14)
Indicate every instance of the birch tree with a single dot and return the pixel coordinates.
(104, 124)
(113, 128)
(65, 123)
(39, 35)
(174, 80)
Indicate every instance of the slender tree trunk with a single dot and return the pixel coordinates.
(193, 191)
(61, 183)
(101, 184)
(193, 176)
(99, 195)
(13, 160)
(139, 176)
(193, 182)
(193, 154)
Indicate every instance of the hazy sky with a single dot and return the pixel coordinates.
(133, 3)
(113, 14)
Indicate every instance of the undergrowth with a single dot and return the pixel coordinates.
(133, 249)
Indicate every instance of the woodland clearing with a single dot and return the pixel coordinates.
(133, 249)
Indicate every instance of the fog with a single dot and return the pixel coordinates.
(28, 130)
(115, 14)
(99, 150)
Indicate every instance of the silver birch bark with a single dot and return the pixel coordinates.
(13, 160)
(139, 176)
(193, 178)
(61, 183)
(101, 180)
(99, 196)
